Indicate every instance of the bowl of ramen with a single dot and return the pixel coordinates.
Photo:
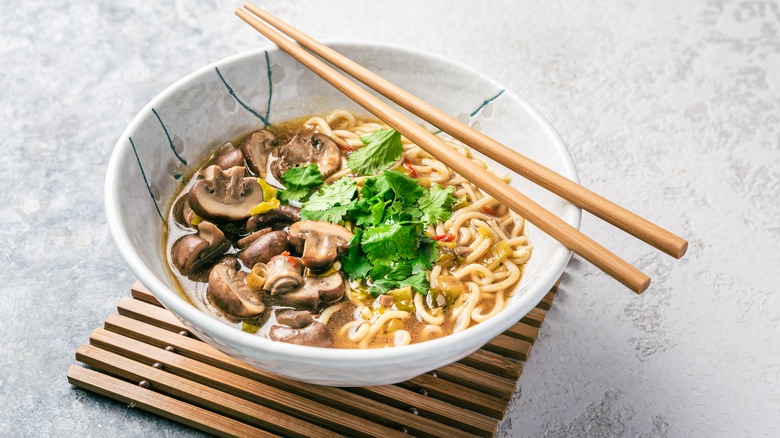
(290, 229)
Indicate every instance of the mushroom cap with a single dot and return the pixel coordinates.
(315, 334)
(225, 195)
(229, 292)
(186, 252)
(228, 156)
(256, 147)
(192, 252)
(283, 275)
(320, 242)
(306, 297)
(182, 212)
(330, 288)
(210, 233)
(229, 260)
(306, 148)
(325, 289)
(278, 218)
(249, 238)
(294, 318)
(264, 248)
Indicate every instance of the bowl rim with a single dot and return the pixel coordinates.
(184, 310)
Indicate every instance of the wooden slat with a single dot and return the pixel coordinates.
(427, 407)
(140, 292)
(337, 397)
(168, 407)
(150, 313)
(547, 301)
(198, 394)
(477, 379)
(527, 333)
(509, 347)
(494, 363)
(266, 395)
(457, 395)
(535, 318)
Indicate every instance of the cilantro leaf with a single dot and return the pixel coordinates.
(381, 286)
(418, 281)
(395, 272)
(406, 189)
(413, 213)
(392, 185)
(298, 182)
(386, 243)
(331, 202)
(383, 148)
(376, 187)
(332, 215)
(367, 212)
(377, 212)
(378, 243)
(354, 262)
(436, 204)
(426, 255)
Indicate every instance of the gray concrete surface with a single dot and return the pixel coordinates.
(669, 107)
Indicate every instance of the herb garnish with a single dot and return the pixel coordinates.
(299, 181)
(330, 203)
(389, 246)
(383, 148)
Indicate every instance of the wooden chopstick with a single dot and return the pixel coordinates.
(569, 236)
(522, 165)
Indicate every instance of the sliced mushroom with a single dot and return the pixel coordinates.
(315, 334)
(225, 195)
(229, 292)
(283, 275)
(294, 318)
(306, 297)
(307, 148)
(330, 288)
(320, 242)
(264, 248)
(228, 156)
(182, 212)
(325, 289)
(256, 148)
(230, 261)
(211, 172)
(193, 252)
(278, 218)
(246, 240)
(461, 251)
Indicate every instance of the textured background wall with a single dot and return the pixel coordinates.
(670, 108)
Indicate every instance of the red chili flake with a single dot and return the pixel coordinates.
(285, 254)
(411, 170)
(447, 237)
(490, 210)
(345, 147)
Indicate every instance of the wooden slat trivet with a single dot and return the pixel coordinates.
(145, 357)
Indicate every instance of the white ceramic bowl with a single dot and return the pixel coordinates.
(238, 94)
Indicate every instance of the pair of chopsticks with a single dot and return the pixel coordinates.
(569, 236)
